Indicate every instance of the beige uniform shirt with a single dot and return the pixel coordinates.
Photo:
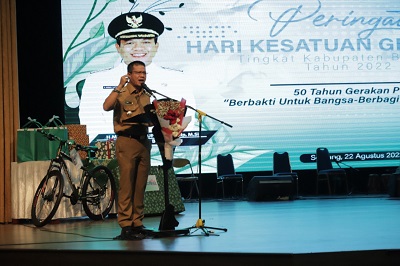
(129, 113)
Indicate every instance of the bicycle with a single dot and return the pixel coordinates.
(96, 189)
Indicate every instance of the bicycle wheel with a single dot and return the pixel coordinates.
(98, 192)
(47, 198)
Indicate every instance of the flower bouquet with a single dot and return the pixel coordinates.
(171, 116)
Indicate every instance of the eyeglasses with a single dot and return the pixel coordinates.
(140, 72)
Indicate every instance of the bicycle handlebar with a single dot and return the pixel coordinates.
(72, 143)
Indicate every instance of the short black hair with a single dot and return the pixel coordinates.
(134, 63)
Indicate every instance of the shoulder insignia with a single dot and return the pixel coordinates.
(101, 70)
(171, 69)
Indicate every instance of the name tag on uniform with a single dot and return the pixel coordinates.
(109, 87)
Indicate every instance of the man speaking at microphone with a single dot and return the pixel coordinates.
(128, 101)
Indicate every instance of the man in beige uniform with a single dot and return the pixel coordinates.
(131, 123)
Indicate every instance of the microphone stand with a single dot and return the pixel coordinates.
(168, 222)
(200, 223)
(350, 167)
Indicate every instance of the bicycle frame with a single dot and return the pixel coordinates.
(59, 163)
(95, 189)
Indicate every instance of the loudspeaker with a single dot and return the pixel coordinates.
(270, 187)
(394, 185)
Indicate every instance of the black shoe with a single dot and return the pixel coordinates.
(140, 229)
(128, 234)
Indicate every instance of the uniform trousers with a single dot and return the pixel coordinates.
(134, 165)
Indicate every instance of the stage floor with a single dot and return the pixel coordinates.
(304, 226)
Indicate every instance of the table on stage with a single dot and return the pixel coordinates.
(26, 176)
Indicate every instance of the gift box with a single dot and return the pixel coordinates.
(79, 134)
(33, 146)
(47, 149)
(26, 141)
(106, 149)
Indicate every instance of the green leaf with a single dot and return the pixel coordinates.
(181, 5)
(97, 30)
(80, 61)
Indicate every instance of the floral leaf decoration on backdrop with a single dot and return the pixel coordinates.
(91, 49)
(171, 115)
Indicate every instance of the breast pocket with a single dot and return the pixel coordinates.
(130, 106)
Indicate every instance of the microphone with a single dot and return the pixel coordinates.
(147, 90)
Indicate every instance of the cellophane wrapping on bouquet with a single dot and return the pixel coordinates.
(171, 115)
